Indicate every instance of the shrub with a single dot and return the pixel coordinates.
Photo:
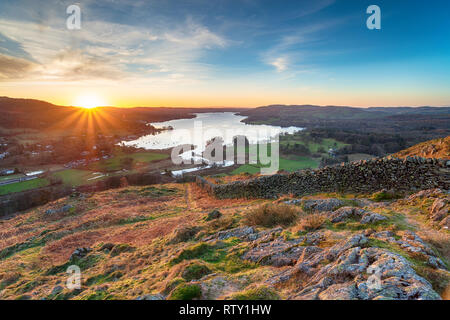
(195, 271)
(310, 222)
(172, 284)
(261, 293)
(121, 248)
(270, 215)
(183, 234)
(384, 195)
(192, 252)
(223, 223)
(186, 292)
(215, 214)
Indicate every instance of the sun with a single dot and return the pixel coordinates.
(90, 101)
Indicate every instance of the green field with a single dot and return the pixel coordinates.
(313, 147)
(75, 177)
(293, 164)
(113, 164)
(12, 176)
(23, 186)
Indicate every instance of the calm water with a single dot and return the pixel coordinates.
(205, 126)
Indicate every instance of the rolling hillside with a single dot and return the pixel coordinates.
(438, 148)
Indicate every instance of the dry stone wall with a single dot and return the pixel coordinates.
(413, 173)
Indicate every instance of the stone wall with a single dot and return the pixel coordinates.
(365, 176)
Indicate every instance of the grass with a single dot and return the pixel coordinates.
(293, 163)
(186, 292)
(201, 250)
(24, 186)
(75, 177)
(84, 264)
(310, 222)
(270, 215)
(195, 271)
(131, 255)
(12, 176)
(152, 192)
(114, 164)
(385, 195)
(313, 147)
(261, 293)
(394, 222)
(222, 256)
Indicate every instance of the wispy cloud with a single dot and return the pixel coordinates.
(280, 64)
(13, 68)
(108, 50)
(293, 46)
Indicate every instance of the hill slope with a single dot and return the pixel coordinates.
(167, 242)
(438, 148)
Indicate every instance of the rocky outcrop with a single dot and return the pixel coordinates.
(322, 205)
(412, 243)
(350, 269)
(439, 210)
(245, 234)
(362, 215)
(364, 176)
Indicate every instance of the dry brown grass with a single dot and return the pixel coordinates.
(200, 199)
(446, 293)
(270, 215)
(310, 222)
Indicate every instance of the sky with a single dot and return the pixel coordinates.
(231, 53)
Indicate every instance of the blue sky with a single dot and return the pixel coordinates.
(227, 53)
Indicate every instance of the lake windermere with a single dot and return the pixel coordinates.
(204, 127)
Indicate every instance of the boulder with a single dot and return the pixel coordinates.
(341, 291)
(215, 214)
(277, 253)
(371, 217)
(322, 205)
(364, 216)
(240, 232)
(345, 213)
(80, 253)
(184, 233)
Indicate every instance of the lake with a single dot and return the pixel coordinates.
(204, 127)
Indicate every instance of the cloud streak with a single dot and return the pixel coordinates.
(108, 50)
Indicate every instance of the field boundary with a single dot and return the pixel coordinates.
(410, 174)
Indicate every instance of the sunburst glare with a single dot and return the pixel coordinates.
(90, 101)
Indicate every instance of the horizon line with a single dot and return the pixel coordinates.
(233, 107)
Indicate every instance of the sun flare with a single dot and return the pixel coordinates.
(90, 101)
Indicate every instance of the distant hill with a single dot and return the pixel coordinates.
(44, 116)
(311, 113)
(414, 124)
(438, 148)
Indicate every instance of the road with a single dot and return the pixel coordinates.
(4, 183)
